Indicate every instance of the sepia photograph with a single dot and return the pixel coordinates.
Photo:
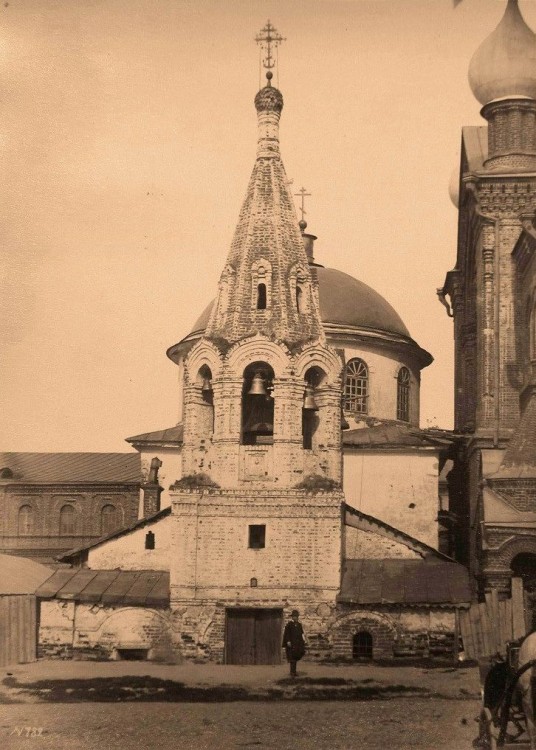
(268, 374)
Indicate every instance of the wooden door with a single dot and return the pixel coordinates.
(18, 629)
(253, 636)
(240, 636)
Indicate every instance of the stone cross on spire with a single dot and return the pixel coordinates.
(269, 37)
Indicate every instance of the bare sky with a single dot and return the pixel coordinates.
(127, 137)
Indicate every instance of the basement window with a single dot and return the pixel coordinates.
(257, 536)
(132, 654)
(149, 540)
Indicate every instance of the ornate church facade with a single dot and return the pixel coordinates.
(493, 294)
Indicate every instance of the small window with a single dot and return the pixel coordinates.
(261, 297)
(257, 536)
(308, 427)
(356, 386)
(6, 473)
(149, 540)
(362, 645)
(402, 397)
(67, 520)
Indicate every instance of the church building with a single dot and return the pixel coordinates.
(492, 291)
(298, 477)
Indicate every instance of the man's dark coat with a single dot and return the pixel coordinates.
(294, 634)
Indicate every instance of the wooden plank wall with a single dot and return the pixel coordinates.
(487, 627)
(18, 629)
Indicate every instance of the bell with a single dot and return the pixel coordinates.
(207, 386)
(257, 386)
(309, 399)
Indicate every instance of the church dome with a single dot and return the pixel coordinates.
(505, 63)
(345, 302)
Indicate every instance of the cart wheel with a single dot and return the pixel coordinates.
(486, 739)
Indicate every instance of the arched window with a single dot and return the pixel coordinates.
(261, 297)
(25, 520)
(67, 520)
(109, 519)
(6, 473)
(402, 394)
(356, 387)
(362, 645)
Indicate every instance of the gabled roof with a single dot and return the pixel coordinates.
(171, 435)
(412, 582)
(126, 587)
(498, 510)
(394, 435)
(363, 521)
(18, 575)
(71, 468)
(140, 523)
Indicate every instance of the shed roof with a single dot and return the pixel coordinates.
(19, 575)
(127, 587)
(72, 468)
(394, 435)
(169, 435)
(430, 582)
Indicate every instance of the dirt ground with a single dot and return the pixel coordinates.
(66, 705)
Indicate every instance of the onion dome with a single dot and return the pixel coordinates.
(504, 66)
(269, 99)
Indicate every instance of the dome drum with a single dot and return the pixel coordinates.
(511, 133)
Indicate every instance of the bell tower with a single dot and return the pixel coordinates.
(257, 513)
(262, 389)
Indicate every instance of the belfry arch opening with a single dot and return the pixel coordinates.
(205, 406)
(257, 404)
(313, 379)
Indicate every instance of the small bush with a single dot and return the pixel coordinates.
(192, 481)
(317, 483)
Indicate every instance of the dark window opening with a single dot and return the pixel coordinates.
(149, 540)
(261, 297)
(6, 473)
(356, 387)
(362, 645)
(257, 536)
(402, 395)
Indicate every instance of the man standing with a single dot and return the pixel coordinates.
(294, 641)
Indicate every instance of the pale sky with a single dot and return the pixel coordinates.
(127, 137)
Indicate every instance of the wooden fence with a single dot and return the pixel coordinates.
(18, 629)
(487, 627)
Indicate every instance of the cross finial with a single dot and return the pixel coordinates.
(303, 194)
(269, 38)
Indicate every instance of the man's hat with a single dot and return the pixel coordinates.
(294, 613)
